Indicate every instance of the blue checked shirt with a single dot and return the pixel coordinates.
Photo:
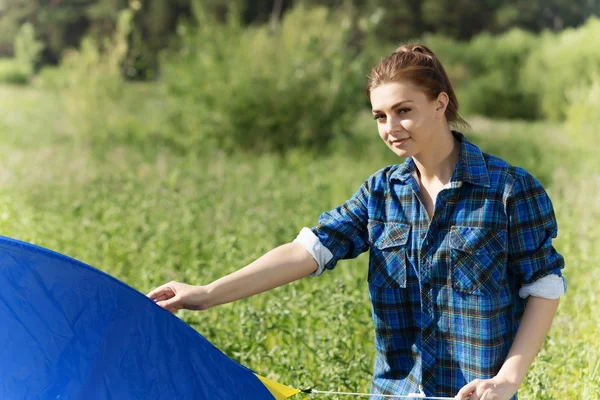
(444, 292)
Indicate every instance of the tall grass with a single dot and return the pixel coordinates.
(148, 215)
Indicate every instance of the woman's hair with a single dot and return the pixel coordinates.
(420, 66)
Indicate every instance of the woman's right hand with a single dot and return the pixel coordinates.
(174, 296)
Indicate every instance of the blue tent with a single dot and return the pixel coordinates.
(70, 331)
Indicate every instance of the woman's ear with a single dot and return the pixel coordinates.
(440, 104)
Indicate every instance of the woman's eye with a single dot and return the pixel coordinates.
(378, 116)
(403, 110)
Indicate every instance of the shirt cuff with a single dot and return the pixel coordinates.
(548, 287)
(311, 243)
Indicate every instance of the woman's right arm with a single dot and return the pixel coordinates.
(340, 234)
(282, 265)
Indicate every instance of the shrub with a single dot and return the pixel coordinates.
(583, 118)
(12, 73)
(262, 90)
(486, 73)
(27, 48)
(94, 83)
(560, 63)
(18, 71)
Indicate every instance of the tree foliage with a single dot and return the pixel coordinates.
(61, 24)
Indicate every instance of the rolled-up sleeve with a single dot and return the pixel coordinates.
(340, 233)
(532, 226)
(311, 243)
(548, 287)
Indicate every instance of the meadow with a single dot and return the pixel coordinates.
(146, 213)
(248, 136)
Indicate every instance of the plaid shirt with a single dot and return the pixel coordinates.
(444, 292)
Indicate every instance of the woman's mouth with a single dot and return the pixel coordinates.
(399, 142)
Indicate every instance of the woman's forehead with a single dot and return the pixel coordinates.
(387, 95)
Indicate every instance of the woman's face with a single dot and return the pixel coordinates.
(407, 120)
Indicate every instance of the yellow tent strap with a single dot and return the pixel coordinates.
(278, 390)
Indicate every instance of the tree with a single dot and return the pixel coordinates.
(62, 23)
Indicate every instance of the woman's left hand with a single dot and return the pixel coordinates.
(496, 388)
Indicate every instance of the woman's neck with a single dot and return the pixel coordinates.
(437, 162)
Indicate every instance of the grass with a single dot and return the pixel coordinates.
(149, 213)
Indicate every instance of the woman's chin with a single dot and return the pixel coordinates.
(401, 152)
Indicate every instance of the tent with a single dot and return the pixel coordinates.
(70, 331)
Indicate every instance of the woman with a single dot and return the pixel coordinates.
(463, 278)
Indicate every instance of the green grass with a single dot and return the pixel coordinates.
(148, 213)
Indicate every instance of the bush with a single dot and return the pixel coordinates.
(27, 48)
(560, 63)
(12, 73)
(583, 118)
(18, 71)
(93, 83)
(301, 84)
(262, 90)
(486, 73)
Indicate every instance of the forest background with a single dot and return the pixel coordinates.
(161, 140)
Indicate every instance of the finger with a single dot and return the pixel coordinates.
(481, 390)
(174, 309)
(160, 298)
(487, 395)
(161, 291)
(467, 390)
(172, 302)
(157, 291)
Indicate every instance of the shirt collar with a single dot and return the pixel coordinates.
(470, 168)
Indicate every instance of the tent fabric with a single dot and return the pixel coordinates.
(70, 331)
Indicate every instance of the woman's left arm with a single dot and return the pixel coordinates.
(532, 331)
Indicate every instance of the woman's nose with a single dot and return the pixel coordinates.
(392, 124)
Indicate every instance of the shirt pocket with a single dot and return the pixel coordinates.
(387, 263)
(478, 259)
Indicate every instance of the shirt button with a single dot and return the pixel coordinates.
(423, 235)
